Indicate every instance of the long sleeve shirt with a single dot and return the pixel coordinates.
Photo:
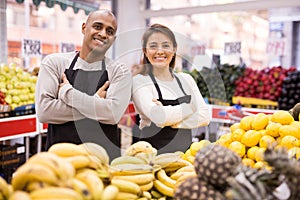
(186, 116)
(68, 104)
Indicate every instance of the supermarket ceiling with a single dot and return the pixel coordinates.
(86, 5)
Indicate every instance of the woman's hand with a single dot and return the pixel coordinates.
(101, 92)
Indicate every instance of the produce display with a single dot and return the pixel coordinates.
(17, 85)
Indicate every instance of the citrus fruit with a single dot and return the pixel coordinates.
(237, 134)
(223, 142)
(266, 140)
(294, 152)
(196, 146)
(246, 122)
(252, 152)
(273, 129)
(248, 162)
(226, 136)
(260, 121)
(251, 138)
(238, 148)
(282, 116)
(289, 141)
(289, 130)
(259, 165)
(234, 126)
(259, 155)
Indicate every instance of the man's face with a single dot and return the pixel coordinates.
(99, 32)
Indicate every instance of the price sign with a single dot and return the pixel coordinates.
(66, 47)
(276, 47)
(31, 48)
(232, 48)
(198, 50)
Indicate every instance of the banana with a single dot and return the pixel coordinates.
(78, 161)
(110, 192)
(19, 195)
(147, 186)
(127, 159)
(140, 179)
(96, 163)
(127, 186)
(165, 159)
(57, 164)
(65, 149)
(126, 196)
(96, 150)
(189, 168)
(80, 187)
(164, 189)
(143, 198)
(140, 146)
(35, 185)
(55, 193)
(156, 194)
(165, 179)
(147, 194)
(93, 182)
(128, 169)
(33, 172)
(4, 188)
(178, 164)
(177, 175)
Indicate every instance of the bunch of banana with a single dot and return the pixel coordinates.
(140, 147)
(130, 169)
(183, 173)
(19, 195)
(83, 155)
(40, 170)
(165, 159)
(5, 190)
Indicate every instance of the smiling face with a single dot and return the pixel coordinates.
(159, 50)
(99, 33)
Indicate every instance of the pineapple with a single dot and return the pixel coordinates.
(195, 188)
(215, 163)
(251, 183)
(288, 167)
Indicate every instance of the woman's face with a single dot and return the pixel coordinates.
(159, 50)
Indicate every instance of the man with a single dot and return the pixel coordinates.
(83, 95)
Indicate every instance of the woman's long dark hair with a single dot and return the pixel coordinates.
(156, 28)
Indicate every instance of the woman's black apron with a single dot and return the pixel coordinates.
(168, 139)
(86, 130)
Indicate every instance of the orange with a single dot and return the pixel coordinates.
(289, 130)
(273, 129)
(237, 134)
(289, 141)
(248, 162)
(226, 136)
(251, 138)
(282, 116)
(246, 122)
(238, 148)
(196, 146)
(266, 140)
(252, 152)
(259, 165)
(234, 126)
(263, 132)
(260, 121)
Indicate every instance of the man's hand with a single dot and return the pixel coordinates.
(64, 81)
(101, 92)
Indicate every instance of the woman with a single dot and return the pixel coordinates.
(169, 104)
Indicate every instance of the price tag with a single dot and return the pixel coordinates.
(31, 48)
(276, 47)
(232, 48)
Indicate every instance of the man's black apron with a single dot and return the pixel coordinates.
(86, 130)
(168, 139)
